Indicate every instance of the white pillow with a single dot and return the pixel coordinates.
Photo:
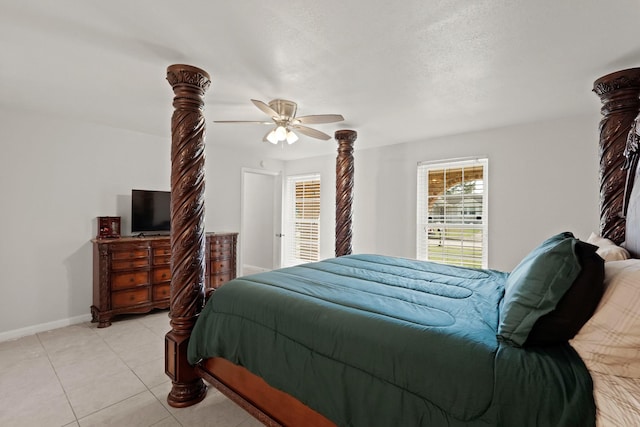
(610, 341)
(608, 250)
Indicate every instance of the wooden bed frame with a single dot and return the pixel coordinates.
(619, 93)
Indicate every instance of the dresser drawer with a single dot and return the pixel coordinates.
(129, 298)
(161, 255)
(161, 292)
(162, 250)
(220, 252)
(129, 280)
(220, 266)
(128, 264)
(220, 240)
(162, 260)
(129, 254)
(161, 275)
(218, 280)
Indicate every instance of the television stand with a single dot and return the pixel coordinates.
(133, 274)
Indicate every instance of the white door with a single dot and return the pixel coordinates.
(261, 221)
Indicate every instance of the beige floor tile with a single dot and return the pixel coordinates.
(140, 410)
(68, 337)
(101, 377)
(53, 411)
(136, 355)
(152, 373)
(161, 330)
(15, 351)
(99, 394)
(119, 325)
(22, 377)
(158, 319)
(125, 340)
(89, 369)
(34, 398)
(216, 410)
(72, 352)
(169, 422)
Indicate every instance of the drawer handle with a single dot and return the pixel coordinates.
(131, 279)
(164, 275)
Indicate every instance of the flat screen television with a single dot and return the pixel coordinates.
(150, 211)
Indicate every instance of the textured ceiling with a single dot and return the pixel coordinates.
(397, 71)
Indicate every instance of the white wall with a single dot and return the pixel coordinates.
(56, 177)
(543, 179)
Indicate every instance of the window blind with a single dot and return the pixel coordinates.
(302, 220)
(452, 212)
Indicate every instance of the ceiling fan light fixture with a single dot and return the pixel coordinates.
(291, 137)
(281, 133)
(272, 138)
(283, 116)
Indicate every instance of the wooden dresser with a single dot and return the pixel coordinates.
(133, 274)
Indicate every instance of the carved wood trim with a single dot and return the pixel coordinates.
(619, 95)
(344, 191)
(187, 228)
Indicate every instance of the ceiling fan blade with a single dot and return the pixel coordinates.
(318, 118)
(313, 133)
(242, 121)
(265, 108)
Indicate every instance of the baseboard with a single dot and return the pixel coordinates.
(43, 327)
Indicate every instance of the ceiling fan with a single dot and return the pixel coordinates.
(283, 115)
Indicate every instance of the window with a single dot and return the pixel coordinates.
(302, 219)
(452, 212)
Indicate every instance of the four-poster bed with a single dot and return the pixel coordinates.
(274, 407)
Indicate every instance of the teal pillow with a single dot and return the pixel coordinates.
(536, 285)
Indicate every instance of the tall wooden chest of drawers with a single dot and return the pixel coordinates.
(220, 258)
(133, 274)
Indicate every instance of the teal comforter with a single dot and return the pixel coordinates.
(369, 340)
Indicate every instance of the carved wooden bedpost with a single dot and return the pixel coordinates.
(187, 228)
(619, 95)
(344, 190)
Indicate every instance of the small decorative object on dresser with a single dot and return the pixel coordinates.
(133, 274)
(108, 227)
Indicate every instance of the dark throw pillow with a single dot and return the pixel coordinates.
(536, 285)
(577, 305)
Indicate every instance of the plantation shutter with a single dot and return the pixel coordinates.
(302, 220)
(452, 212)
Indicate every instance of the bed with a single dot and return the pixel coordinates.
(368, 340)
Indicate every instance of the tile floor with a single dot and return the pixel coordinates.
(84, 376)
